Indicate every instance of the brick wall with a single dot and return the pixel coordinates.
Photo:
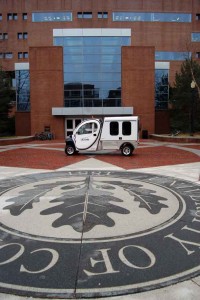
(162, 122)
(46, 89)
(138, 72)
(22, 124)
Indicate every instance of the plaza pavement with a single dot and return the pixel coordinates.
(169, 159)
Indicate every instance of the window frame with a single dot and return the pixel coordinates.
(114, 128)
(22, 35)
(12, 16)
(84, 15)
(3, 36)
(24, 16)
(126, 131)
(102, 15)
(8, 55)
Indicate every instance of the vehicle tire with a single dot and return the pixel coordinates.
(127, 150)
(69, 150)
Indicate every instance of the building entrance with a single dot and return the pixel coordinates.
(70, 125)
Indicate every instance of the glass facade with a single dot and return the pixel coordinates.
(168, 55)
(51, 16)
(195, 37)
(22, 90)
(92, 70)
(151, 17)
(161, 89)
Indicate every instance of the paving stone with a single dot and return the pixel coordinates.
(97, 233)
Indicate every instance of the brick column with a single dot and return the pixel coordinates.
(46, 89)
(138, 80)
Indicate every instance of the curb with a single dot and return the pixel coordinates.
(175, 139)
(18, 140)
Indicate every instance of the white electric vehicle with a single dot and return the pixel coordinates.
(112, 133)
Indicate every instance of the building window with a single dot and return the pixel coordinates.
(22, 35)
(3, 36)
(197, 55)
(161, 89)
(23, 90)
(151, 17)
(8, 55)
(195, 37)
(24, 16)
(12, 16)
(52, 16)
(1, 17)
(197, 17)
(9, 17)
(22, 55)
(70, 125)
(102, 15)
(19, 35)
(92, 70)
(25, 54)
(168, 55)
(84, 15)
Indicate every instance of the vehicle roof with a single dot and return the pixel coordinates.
(126, 118)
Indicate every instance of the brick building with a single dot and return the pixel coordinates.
(77, 59)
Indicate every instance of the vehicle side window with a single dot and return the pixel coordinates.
(114, 128)
(126, 128)
(85, 129)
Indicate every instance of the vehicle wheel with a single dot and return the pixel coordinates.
(69, 150)
(127, 150)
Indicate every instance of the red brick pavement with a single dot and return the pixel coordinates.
(151, 156)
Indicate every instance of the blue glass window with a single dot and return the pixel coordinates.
(161, 89)
(111, 50)
(73, 68)
(72, 77)
(92, 70)
(8, 55)
(84, 15)
(111, 67)
(151, 17)
(91, 50)
(91, 41)
(58, 41)
(196, 37)
(72, 50)
(73, 59)
(52, 16)
(168, 55)
(96, 67)
(75, 41)
(23, 90)
(102, 15)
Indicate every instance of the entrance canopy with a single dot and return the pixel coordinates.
(85, 111)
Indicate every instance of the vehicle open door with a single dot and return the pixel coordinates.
(86, 135)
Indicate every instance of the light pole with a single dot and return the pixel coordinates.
(193, 85)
